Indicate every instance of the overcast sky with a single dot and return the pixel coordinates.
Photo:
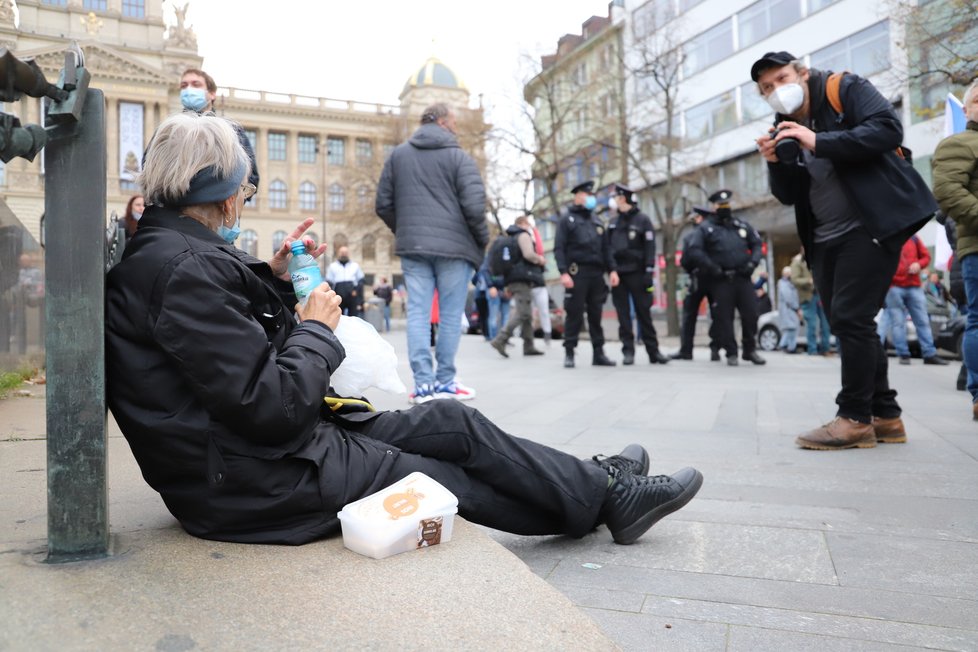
(365, 50)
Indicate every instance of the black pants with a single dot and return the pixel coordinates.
(349, 302)
(503, 482)
(728, 294)
(852, 274)
(691, 310)
(634, 285)
(588, 294)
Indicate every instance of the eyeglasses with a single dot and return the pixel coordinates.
(249, 190)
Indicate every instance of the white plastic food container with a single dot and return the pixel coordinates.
(412, 513)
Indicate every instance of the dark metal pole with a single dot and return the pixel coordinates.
(74, 205)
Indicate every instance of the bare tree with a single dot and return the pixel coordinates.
(941, 41)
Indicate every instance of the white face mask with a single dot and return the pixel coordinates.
(787, 99)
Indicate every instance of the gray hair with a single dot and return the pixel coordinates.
(434, 113)
(183, 145)
(971, 91)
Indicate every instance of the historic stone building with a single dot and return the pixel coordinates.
(317, 157)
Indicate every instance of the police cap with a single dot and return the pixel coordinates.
(627, 193)
(770, 60)
(587, 186)
(721, 196)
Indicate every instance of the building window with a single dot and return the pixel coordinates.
(817, 5)
(369, 248)
(249, 242)
(364, 196)
(764, 18)
(276, 146)
(580, 74)
(337, 198)
(340, 240)
(55, 3)
(277, 239)
(752, 105)
(336, 149)
(134, 8)
(95, 5)
(252, 137)
(388, 150)
(706, 49)
(277, 194)
(307, 148)
(711, 117)
(307, 196)
(686, 5)
(652, 16)
(865, 53)
(365, 152)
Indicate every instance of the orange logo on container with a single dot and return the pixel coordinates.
(405, 504)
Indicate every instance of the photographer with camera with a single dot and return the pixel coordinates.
(857, 200)
(726, 250)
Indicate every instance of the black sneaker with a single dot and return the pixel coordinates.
(635, 503)
(714, 355)
(754, 357)
(569, 360)
(935, 360)
(628, 357)
(632, 459)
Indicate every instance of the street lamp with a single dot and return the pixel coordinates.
(322, 149)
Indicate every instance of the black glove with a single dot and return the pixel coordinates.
(647, 280)
(729, 273)
(715, 271)
(747, 269)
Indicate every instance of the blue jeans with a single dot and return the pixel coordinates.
(969, 347)
(912, 299)
(789, 339)
(422, 275)
(816, 324)
(387, 317)
(498, 313)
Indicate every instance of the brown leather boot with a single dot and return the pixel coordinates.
(839, 433)
(974, 411)
(889, 431)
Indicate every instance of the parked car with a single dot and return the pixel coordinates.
(769, 333)
(950, 336)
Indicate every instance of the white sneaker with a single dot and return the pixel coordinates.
(455, 390)
(421, 394)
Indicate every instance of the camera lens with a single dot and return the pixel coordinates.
(787, 150)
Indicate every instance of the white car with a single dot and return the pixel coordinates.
(769, 334)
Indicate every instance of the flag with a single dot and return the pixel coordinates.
(954, 121)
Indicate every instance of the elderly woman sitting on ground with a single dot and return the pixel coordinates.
(217, 380)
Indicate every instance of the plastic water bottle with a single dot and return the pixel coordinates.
(304, 271)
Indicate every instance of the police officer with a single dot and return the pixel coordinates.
(583, 257)
(726, 250)
(632, 243)
(695, 294)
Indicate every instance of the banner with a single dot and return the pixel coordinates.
(130, 140)
(954, 121)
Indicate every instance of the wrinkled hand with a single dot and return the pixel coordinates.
(322, 305)
(566, 280)
(280, 261)
(613, 279)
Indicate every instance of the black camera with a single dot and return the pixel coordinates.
(787, 149)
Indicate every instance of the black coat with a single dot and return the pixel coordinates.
(889, 195)
(632, 242)
(581, 240)
(220, 393)
(432, 198)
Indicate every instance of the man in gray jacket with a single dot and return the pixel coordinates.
(431, 196)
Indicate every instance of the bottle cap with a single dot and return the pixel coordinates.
(298, 247)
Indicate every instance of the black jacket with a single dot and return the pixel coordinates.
(723, 246)
(632, 242)
(890, 196)
(522, 271)
(581, 240)
(219, 392)
(431, 195)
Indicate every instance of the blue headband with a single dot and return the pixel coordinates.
(206, 187)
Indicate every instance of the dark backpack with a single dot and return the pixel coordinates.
(503, 255)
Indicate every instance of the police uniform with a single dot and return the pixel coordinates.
(695, 293)
(726, 250)
(581, 250)
(632, 243)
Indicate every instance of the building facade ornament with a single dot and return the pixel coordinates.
(181, 35)
(91, 23)
(6, 13)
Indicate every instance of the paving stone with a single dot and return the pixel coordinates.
(756, 639)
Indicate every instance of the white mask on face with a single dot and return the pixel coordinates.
(786, 99)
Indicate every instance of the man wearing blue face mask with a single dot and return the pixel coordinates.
(583, 255)
(857, 199)
(198, 90)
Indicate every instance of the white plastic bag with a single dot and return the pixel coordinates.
(370, 360)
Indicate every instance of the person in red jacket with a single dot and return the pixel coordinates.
(906, 294)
